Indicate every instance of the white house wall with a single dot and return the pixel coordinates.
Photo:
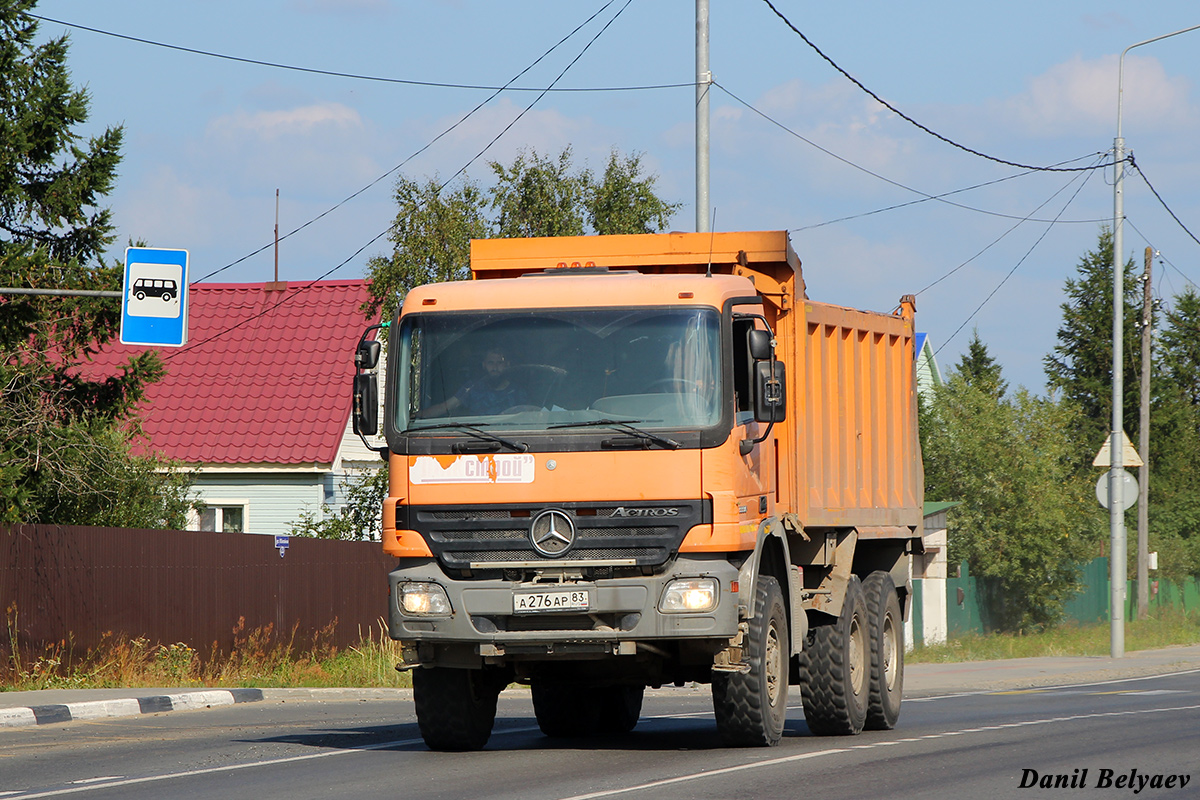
(273, 501)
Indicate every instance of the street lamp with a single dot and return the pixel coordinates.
(1117, 567)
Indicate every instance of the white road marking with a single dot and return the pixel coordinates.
(76, 789)
(695, 776)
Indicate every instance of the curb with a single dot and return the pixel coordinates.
(98, 709)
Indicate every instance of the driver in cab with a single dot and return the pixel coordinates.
(491, 393)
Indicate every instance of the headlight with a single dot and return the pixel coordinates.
(424, 600)
(689, 596)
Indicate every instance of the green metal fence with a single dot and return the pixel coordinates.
(972, 603)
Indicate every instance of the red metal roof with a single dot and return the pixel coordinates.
(264, 378)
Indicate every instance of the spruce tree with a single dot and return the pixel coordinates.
(1080, 365)
(979, 369)
(64, 450)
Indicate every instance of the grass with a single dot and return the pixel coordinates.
(1166, 628)
(259, 658)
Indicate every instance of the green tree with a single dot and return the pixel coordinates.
(535, 195)
(1179, 347)
(979, 369)
(539, 196)
(1080, 365)
(1174, 502)
(1024, 519)
(63, 441)
(624, 200)
(431, 240)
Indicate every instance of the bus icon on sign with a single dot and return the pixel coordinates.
(154, 287)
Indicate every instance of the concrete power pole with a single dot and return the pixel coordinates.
(1143, 555)
(703, 83)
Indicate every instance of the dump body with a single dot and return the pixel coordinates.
(623, 461)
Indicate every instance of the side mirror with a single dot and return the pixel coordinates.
(367, 355)
(770, 391)
(760, 344)
(366, 401)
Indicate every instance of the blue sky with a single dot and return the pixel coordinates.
(795, 145)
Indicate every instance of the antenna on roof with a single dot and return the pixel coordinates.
(276, 285)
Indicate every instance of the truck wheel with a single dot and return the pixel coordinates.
(887, 652)
(752, 708)
(836, 680)
(565, 710)
(573, 711)
(621, 709)
(456, 708)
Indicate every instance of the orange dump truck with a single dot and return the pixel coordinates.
(620, 462)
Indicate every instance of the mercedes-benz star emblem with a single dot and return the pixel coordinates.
(552, 533)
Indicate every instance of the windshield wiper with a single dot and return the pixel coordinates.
(622, 425)
(472, 430)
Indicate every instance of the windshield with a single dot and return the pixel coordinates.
(535, 370)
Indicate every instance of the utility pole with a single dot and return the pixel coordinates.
(703, 81)
(1143, 556)
(1118, 569)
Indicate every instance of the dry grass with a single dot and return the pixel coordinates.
(258, 658)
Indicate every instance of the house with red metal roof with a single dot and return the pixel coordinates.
(258, 400)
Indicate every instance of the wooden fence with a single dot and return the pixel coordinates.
(79, 584)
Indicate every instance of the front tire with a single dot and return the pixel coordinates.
(887, 652)
(836, 680)
(456, 708)
(751, 709)
(569, 711)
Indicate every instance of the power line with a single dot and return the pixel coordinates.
(1028, 253)
(388, 230)
(1001, 237)
(1174, 216)
(1161, 258)
(528, 108)
(351, 75)
(909, 119)
(428, 144)
(924, 195)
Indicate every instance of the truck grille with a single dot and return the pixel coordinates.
(644, 534)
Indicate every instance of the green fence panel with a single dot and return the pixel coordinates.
(962, 604)
(1091, 604)
(974, 605)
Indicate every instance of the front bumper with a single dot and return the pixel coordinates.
(623, 611)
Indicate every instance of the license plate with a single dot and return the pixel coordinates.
(563, 600)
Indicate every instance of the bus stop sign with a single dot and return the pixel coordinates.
(154, 303)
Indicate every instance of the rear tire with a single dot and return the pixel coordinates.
(887, 652)
(836, 679)
(456, 708)
(751, 709)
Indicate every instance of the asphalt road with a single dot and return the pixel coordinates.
(1143, 731)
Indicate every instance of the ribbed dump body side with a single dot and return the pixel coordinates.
(857, 427)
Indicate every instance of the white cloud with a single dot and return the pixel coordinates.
(1079, 97)
(272, 125)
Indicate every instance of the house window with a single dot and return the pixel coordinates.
(226, 519)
